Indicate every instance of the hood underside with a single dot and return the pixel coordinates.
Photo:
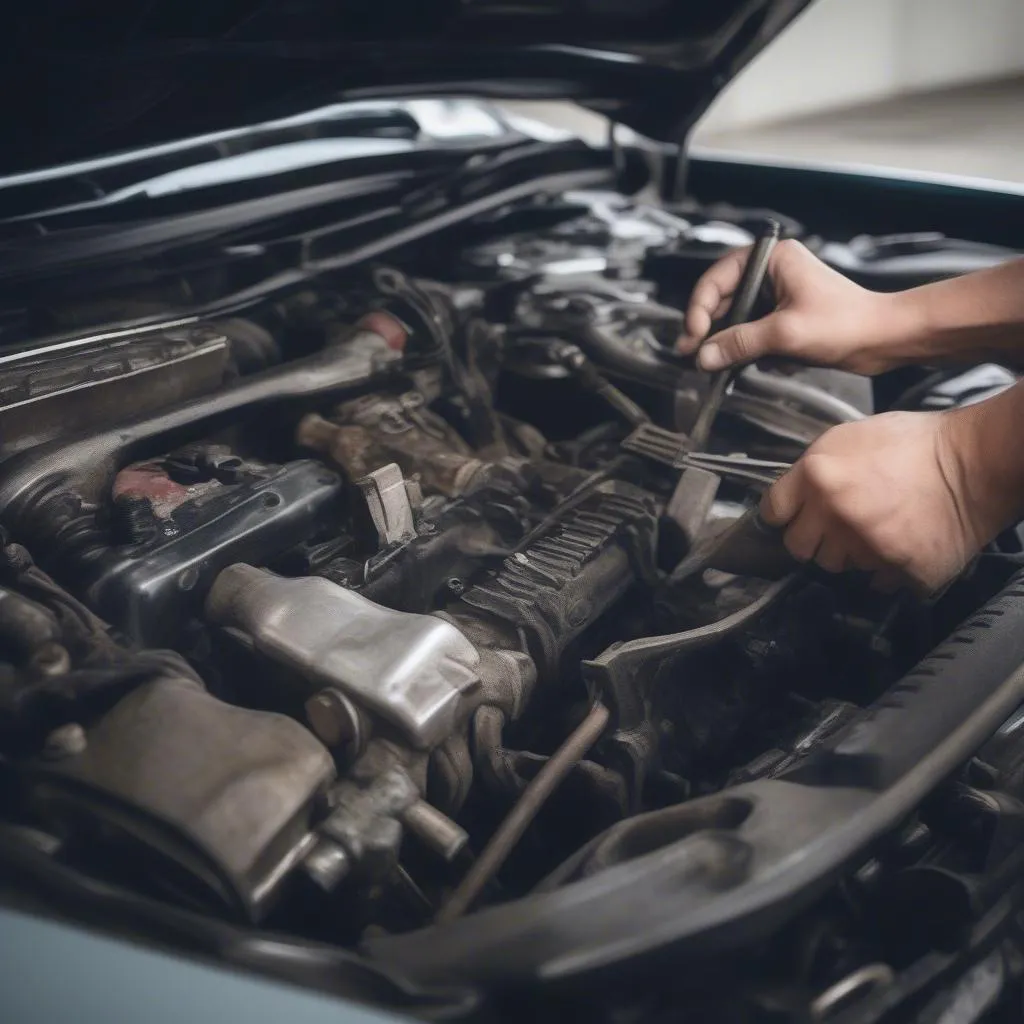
(84, 80)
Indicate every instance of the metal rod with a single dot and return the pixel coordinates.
(749, 287)
(511, 830)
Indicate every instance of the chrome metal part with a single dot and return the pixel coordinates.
(327, 864)
(409, 669)
(366, 824)
(855, 985)
(336, 722)
(814, 400)
(389, 505)
(69, 389)
(437, 830)
(779, 420)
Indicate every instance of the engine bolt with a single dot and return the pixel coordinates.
(327, 864)
(456, 587)
(336, 722)
(65, 741)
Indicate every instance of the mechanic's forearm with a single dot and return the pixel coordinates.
(969, 319)
(987, 441)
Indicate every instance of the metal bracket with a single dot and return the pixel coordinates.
(389, 505)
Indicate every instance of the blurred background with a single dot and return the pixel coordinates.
(925, 85)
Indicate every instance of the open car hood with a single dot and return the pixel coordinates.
(86, 80)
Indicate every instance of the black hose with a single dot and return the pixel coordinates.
(511, 830)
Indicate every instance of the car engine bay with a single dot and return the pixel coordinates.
(347, 639)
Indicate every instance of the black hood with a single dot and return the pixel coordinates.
(83, 79)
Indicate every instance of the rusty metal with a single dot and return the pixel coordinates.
(369, 433)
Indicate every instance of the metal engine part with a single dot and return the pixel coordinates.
(451, 546)
(171, 536)
(219, 798)
(409, 669)
(372, 432)
(35, 489)
(560, 582)
(492, 553)
(387, 500)
(371, 809)
(87, 383)
(523, 618)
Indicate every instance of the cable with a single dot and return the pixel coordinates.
(511, 830)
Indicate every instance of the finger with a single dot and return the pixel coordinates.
(721, 309)
(740, 344)
(687, 345)
(781, 502)
(805, 536)
(712, 290)
(833, 554)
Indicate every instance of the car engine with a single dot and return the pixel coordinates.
(345, 638)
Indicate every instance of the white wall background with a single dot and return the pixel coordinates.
(841, 52)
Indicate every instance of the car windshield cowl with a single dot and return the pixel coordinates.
(408, 158)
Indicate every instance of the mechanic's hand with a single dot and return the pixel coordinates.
(890, 495)
(821, 317)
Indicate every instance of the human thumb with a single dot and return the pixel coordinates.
(740, 344)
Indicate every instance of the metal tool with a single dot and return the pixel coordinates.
(672, 449)
(750, 547)
(746, 547)
(658, 444)
(740, 311)
(738, 466)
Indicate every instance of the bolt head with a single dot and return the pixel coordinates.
(327, 864)
(334, 720)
